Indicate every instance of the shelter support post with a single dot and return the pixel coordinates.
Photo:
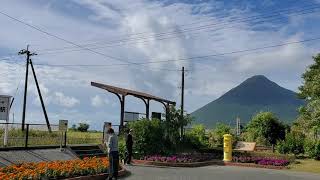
(148, 109)
(122, 101)
(167, 106)
(147, 103)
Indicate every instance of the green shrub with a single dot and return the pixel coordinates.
(293, 143)
(83, 127)
(317, 151)
(197, 136)
(216, 135)
(265, 128)
(312, 148)
(122, 147)
(149, 137)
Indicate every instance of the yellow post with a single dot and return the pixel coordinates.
(227, 147)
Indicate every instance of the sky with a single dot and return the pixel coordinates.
(207, 37)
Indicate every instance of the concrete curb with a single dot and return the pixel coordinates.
(201, 164)
(251, 165)
(123, 172)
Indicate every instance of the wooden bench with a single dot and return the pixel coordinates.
(243, 146)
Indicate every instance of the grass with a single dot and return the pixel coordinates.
(17, 138)
(84, 137)
(305, 165)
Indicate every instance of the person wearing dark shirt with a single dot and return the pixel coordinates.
(129, 144)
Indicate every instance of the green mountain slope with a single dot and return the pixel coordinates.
(253, 95)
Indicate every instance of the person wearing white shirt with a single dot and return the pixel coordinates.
(113, 152)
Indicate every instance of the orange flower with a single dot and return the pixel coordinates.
(55, 168)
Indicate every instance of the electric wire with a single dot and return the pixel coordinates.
(193, 58)
(202, 27)
(143, 42)
(67, 41)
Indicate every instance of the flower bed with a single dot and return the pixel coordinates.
(55, 169)
(266, 161)
(181, 158)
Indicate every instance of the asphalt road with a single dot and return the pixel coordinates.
(215, 172)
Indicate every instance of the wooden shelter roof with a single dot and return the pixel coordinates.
(123, 91)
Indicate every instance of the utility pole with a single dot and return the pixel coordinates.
(29, 61)
(182, 100)
(40, 96)
(27, 52)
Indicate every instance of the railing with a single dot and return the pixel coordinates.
(36, 135)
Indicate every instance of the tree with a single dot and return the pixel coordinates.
(216, 135)
(174, 122)
(83, 127)
(310, 91)
(266, 128)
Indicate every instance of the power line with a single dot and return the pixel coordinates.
(100, 66)
(150, 62)
(235, 52)
(67, 41)
(181, 31)
(18, 86)
(10, 69)
(143, 42)
(55, 36)
(81, 65)
(143, 33)
(226, 15)
(194, 58)
(9, 56)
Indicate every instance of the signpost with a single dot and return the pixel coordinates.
(4, 115)
(63, 127)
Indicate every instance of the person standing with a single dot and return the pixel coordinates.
(107, 126)
(129, 144)
(113, 154)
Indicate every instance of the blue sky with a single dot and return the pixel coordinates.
(141, 31)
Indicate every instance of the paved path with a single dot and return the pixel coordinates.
(215, 173)
(20, 156)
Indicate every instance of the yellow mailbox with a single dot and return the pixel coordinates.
(227, 147)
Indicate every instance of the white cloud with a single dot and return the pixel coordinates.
(63, 100)
(97, 101)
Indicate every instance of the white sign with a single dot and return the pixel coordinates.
(4, 107)
(63, 125)
(4, 115)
